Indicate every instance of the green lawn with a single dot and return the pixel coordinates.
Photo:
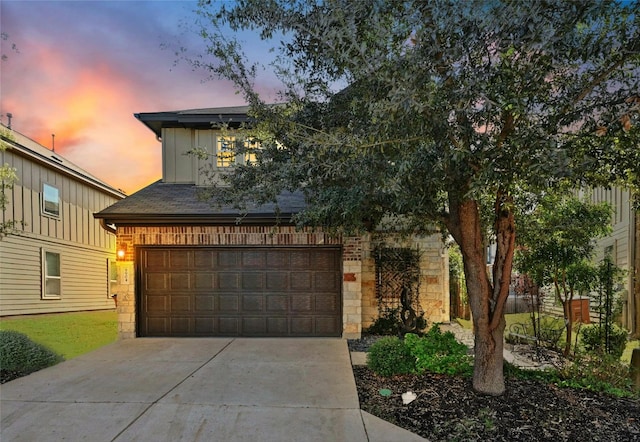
(67, 334)
(525, 318)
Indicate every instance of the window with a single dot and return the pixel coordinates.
(50, 200)
(51, 284)
(225, 151)
(112, 277)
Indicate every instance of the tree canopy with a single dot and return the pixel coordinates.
(418, 112)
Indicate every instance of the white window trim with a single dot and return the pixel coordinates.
(111, 268)
(45, 277)
(43, 209)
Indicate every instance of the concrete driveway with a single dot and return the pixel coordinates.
(195, 389)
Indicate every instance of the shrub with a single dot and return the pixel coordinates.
(390, 323)
(597, 373)
(594, 339)
(438, 352)
(389, 356)
(20, 356)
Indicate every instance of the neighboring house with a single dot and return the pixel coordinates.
(624, 247)
(189, 268)
(58, 258)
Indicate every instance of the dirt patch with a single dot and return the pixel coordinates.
(447, 409)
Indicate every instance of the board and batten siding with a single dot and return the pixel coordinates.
(84, 246)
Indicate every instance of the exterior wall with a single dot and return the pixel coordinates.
(131, 237)
(434, 276)
(358, 287)
(621, 242)
(180, 167)
(84, 246)
(84, 276)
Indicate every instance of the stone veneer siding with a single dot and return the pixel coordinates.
(131, 237)
(434, 276)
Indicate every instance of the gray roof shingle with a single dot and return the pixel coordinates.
(164, 203)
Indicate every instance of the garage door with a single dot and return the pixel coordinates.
(239, 291)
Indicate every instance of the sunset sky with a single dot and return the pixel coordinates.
(83, 68)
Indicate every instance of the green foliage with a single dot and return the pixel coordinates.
(438, 352)
(597, 373)
(389, 322)
(7, 178)
(390, 356)
(21, 356)
(415, 112)
(594, 339)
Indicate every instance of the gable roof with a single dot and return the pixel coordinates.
(26, 147)
(168, 203)
(194, 118)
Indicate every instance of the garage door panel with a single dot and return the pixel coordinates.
(254, 326)
(203, 259)
(180, 325)
(277, 281)
(204, 280)
(301, 280)
(204, 303)
(229, 303)
(229, 326)
(179, 281)
(157, 326)
(228, 258)
(327, 303)
(156, 259)
(277, 326)
(302, 326)
(228, 281)
(156, 281)
(240, 291)
(204, 326)
(180, 303)
(325, 281)
(157, 304)
(180, 259)
(277, 259)
(252, 281)
(252, 303)
(326, 325)
(277, 303)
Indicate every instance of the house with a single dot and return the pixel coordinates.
(187, 268)
(623, 245)
(57, 258)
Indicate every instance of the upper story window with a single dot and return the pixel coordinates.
(50, 200)
(226, 151)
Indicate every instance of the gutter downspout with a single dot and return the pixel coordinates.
(106, 226)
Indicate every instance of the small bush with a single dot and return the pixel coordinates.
(597, 373)
(390, 323)
(20, 356)
(389, 356)
(438, 352)
(594, 339)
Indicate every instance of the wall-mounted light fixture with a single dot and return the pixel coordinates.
(122, 250)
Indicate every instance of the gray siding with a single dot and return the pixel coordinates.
(178, 166)
(83, 272)
(83, 244)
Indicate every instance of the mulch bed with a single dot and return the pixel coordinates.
(448, 409)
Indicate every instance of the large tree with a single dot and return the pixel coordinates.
(420, 112)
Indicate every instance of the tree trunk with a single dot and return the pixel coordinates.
(486, 299)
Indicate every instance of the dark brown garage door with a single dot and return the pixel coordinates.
(239, 291)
